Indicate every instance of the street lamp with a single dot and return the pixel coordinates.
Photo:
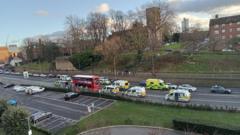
(29, 129)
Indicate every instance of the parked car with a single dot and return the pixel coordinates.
(51, 76)
(33, 90)
(188, 87)
(178, 96)
(122, 84)
(142, 83)
(136, 91)
(1, 83)
(19, 88)
(43, 75)
(110, 89)
(70, 95)
(12, 102)
(104, 81)
(220, 89)
(36, 75)
(8, 85)
(39, 116)
(172, 86)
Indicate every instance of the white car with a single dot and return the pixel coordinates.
(19, 88)
(172, 86)
(34, 89)
(136, 91)
(43, 75)
(36, 75)
(188, 87)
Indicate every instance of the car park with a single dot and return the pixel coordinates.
(178, 96)
(136, 91)
(8, 85)
(39, 116)
(70, 95)
(156, 84)
(188, 87)
(110, 89)
(220, 89)
(33, 90)
(19, 88)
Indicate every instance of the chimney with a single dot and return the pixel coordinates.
(216, 16)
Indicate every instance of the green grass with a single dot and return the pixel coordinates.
(210, 63)
(44, 66)
(124, 113)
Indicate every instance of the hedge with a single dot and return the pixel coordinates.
(176, 105)
(57, 89)
(202, 127)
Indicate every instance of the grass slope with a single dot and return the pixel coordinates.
(124, 113)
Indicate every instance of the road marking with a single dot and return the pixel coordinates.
(67, 108)
(61, 123)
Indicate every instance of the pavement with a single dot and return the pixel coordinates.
(132, 130)
(65, 113)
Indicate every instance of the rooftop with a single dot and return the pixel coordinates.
(225, 20)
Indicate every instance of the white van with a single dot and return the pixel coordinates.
(34, 89)
(178, 96)
(136, 91)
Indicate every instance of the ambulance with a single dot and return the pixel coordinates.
(156, 84)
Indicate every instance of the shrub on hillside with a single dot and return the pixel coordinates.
(85, 59)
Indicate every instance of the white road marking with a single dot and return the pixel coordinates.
(67, 108)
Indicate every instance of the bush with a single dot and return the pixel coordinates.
(85, 59)
(3, 107)
(14, 121)
(205, 127)
(57, 89)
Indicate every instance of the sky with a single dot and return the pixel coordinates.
(27, 18)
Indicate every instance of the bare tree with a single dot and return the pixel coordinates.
(97, 27)
(159, 20)
(76, 31)
(118, 21)
(111, 49)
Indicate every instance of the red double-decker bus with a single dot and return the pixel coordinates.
(87, 82)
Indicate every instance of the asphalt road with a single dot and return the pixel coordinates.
(201, 97)
(65, 112)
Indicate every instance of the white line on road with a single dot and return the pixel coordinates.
(67, 108)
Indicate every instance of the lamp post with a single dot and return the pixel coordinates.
(29, 128)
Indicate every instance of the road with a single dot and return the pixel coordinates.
(201, 97)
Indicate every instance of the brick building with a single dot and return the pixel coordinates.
(223, 29)
(4, 55)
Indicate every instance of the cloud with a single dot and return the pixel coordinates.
(194, 19)
(41, 13)
(103, 8)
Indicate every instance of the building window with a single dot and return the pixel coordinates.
(223, 31)
(216, 32)
(230, 30)
(238, 22)
(230, 24)
(223, 25)
(216, 26)
(230, 36)
(238, 35)
(223, 37)
(238, 29)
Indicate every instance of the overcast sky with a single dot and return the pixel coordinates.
(27, 18)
